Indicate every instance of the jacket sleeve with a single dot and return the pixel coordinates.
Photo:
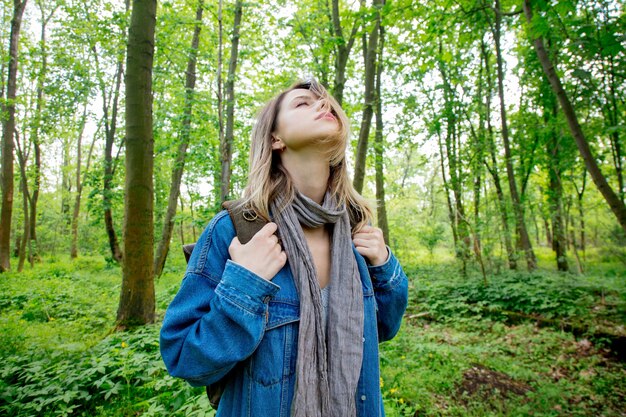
(391, 292)
(218, 317)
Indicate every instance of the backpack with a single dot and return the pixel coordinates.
(247, 223)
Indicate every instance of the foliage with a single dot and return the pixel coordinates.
(60, 358)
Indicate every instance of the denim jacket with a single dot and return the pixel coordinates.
(226, 321)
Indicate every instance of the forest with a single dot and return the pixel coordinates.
(488, 135)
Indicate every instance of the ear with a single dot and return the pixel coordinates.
(277, 143)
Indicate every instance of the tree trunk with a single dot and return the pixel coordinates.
(79, 187)
(217, 190)
(137, 293)
(342, 53)
(110, 128)
(613, 200)
(522, 233)
(369, 51)
(8, 127)
(555, 195)
(34, 198)
(226, 150)
(22, 158)
(179, 164)
(581, 213)
(379, 146)
(493, 170)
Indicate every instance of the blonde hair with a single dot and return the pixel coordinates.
(268, 178)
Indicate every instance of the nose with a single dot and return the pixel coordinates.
(320, 104)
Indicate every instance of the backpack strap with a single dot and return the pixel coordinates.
(246, 221)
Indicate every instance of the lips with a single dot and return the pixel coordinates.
(325, 115)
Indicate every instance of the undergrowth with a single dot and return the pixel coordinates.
(61, 357)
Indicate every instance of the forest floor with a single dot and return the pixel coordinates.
(515, 344)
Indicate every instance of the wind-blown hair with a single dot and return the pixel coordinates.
(268, 178)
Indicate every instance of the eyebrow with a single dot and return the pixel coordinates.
(301, 96)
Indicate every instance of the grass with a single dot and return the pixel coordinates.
(457, 353)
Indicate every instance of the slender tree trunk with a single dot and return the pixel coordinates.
(493, 170)
(181, 228)
(613, 119)
(555, 196)
(34, 199)
(22, 158)
(110, 128)
(179, 164)
(613, 200)
(370, 96)
(227, 144)
(137, 293)
(79, 186)
(446, 187)
(579, 199)
(522, 233)
(220, 104)
(379, 147)
(8, 127)
(342, 51)
(452, 146)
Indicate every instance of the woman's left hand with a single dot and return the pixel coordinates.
(370, 243)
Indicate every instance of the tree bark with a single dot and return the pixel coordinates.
(226, 146)
(179, 164)
(110, 129)
(555, 194)
(137, 293)
(379, 147)
(22, 158)
(613, 200)
(342, 53)
(522, 233)
(8, 127)
(370, 96)
(34, 198)
(79, 185)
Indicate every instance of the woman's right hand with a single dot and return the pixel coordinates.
(262, 255)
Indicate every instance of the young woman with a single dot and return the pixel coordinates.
(290, 322)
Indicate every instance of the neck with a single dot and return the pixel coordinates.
(309, 172)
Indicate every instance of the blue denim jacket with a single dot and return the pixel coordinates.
(228, 320)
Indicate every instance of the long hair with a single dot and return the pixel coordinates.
(268, 178)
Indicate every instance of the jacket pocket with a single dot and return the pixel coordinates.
(275, 357)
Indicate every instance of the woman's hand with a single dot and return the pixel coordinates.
(370, 243)
(262, 254)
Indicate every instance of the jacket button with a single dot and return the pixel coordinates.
(363, 340)
(363, 397)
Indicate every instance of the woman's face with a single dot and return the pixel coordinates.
(302, 121)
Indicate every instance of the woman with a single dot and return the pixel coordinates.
(291, 325)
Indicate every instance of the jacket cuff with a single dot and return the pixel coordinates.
(385, 275)
(245, 288)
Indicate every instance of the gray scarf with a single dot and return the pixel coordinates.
(329, 360)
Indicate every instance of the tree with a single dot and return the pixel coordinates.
(226, 146)
(179, 164)
(379, 146)
(613, 200)
(137, 293)
(8, 128)
(369, 52)
(523, 239)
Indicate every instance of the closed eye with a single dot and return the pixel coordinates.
(301, 103)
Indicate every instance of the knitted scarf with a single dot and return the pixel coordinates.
(329, 359)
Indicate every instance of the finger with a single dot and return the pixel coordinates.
(267, 230)
(364, 251)
(235, 242)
